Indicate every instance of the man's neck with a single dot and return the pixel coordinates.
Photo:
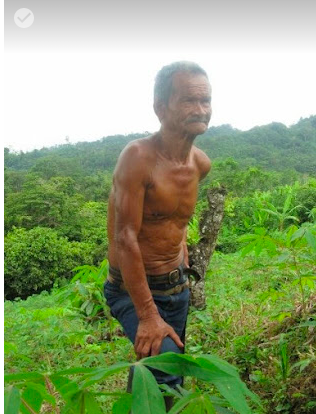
(173, 145)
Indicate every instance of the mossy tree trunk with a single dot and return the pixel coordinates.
(200, 254)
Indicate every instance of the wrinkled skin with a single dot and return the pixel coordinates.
(153, 197)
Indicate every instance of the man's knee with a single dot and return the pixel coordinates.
(168, 345)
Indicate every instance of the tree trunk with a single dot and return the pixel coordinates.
(200, 254)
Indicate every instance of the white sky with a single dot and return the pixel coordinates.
(85, 96)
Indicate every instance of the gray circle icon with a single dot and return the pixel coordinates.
(24, 18)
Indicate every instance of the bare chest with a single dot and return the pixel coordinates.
(172, 192)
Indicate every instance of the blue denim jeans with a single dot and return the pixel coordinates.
(172, 308)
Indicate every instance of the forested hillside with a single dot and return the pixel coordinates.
(260, 285)
(272, 146)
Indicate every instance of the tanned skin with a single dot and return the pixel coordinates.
(153, 197)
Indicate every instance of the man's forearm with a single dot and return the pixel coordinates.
(134, 276)
(152, 329)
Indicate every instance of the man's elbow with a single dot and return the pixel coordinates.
(126, 240)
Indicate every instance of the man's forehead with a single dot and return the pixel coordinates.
(183, 82)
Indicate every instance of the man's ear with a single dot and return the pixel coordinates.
(159, 108)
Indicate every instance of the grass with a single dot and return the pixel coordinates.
(258, 333)
(241, 327)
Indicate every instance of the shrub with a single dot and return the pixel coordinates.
(36, 258)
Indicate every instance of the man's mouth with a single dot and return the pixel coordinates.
(194, 120)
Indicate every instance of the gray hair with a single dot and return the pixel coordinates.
(163, 81)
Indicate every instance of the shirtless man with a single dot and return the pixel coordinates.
(154, 193)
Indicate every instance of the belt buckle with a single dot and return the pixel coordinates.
(174, 276)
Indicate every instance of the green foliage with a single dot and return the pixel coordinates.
(193, 234)
(32, 389)
(273, 209)
(291, 251)
(285, 213)
(49, 337)
(36, 258)
(272, 146)
(85, 291)
(44, 203)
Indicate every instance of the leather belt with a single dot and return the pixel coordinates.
(172, 277)
(174, 290)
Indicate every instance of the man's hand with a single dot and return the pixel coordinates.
(150, 334)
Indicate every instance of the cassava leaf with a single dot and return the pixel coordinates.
(123, 405)
(146, 396)
(12, 400)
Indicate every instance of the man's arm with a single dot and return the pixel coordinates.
(131, 178)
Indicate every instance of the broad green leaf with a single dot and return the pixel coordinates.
(64, 386)
(226, 379)
(11, 400)
(287, 202)
(247, 249)
(220, 405)
(271, 212)
(292, 218)
(170, 391)
(24, 376)
(208, 361)
(76, 404)
(233, 392)
(101, 373)
(184, 402)
(91, 404)
(123, 405)
(298, 234)
(41, 389)
(258, 248)
(210, 409)
(311, 239)
(79, 370)
(146, 397)
(210, 368)
(222, 410)
(103, 269)
(32, 399)
(84, 305)
(176, 364)
(89, 308)
(247, 237)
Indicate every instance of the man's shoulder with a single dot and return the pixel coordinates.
(134, 161)
(202, 161)
(139, 149)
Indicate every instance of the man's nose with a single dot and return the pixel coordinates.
(200, 108)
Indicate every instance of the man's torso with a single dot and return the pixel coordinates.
(169, 202)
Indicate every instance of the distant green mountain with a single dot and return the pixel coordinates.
(273, 146)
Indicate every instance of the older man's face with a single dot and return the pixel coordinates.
(189, 107)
